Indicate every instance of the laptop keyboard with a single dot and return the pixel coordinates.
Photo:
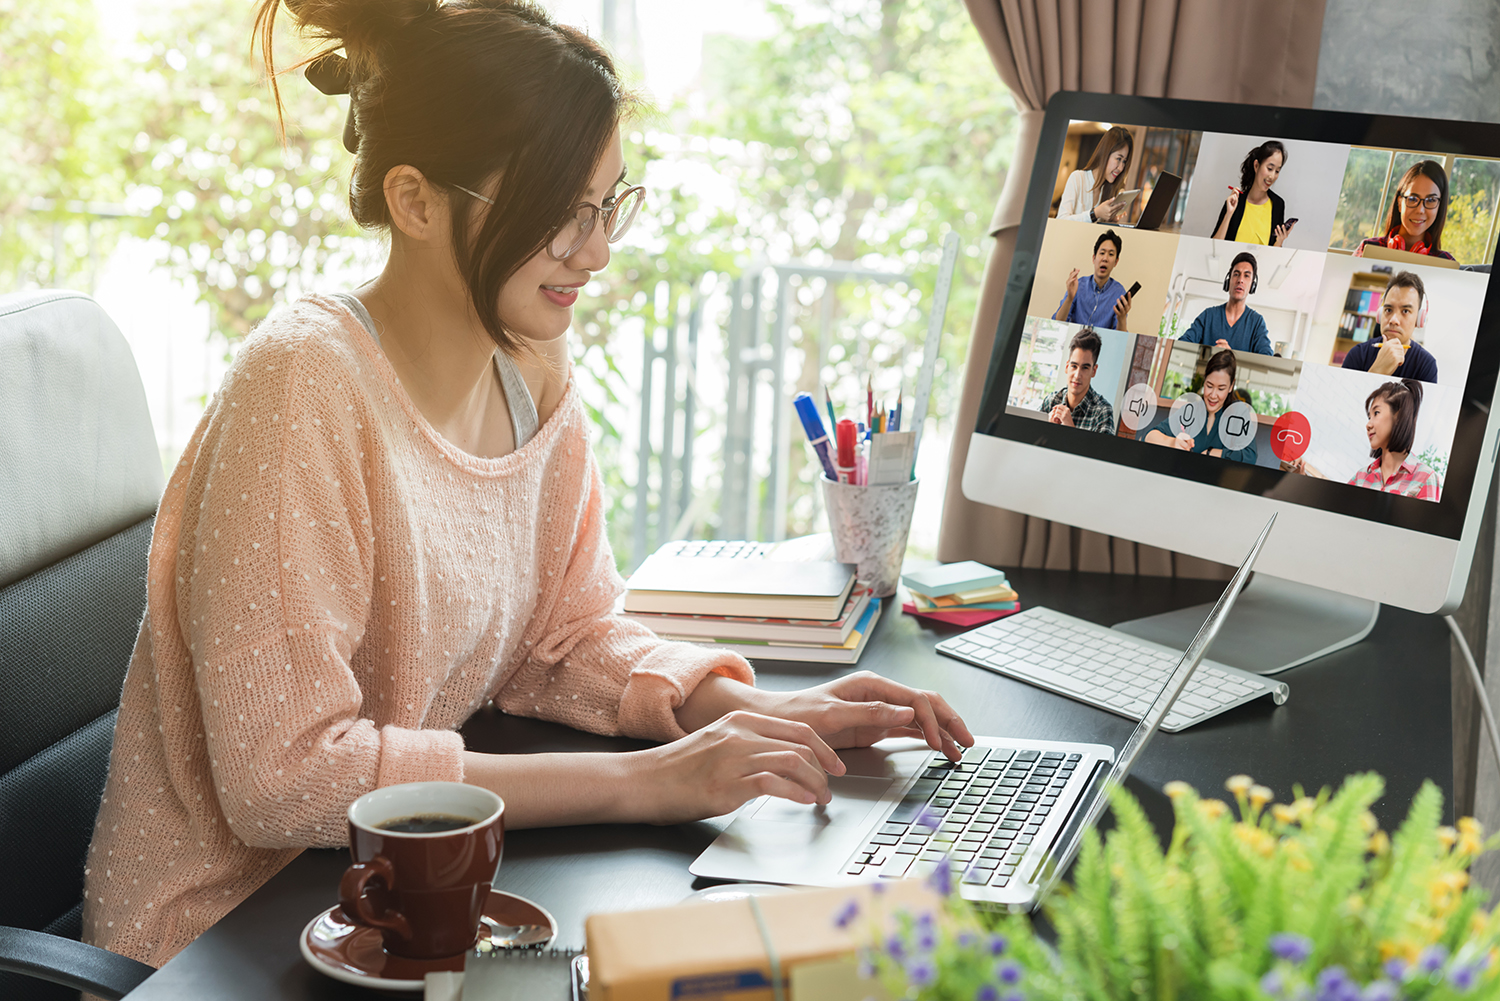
(988, 809)
(1104, 668)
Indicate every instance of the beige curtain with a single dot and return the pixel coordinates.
(1215, 50)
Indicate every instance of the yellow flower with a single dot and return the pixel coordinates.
(1305, 807)
(1387, 949)
(1477, 924)
(1355, 903)
(1239, 784)
(1469, 844)
(1213, 809)
(1260, 796)
(1177, 788)
(1368, 822)
(1379, 843)
(1283, 813)
(1447, 836)
(1470, 826)
(1255, 839)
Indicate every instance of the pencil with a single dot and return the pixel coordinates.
(828, 402)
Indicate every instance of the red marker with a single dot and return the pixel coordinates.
(846, 433)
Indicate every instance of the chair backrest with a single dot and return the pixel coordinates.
(80, 477)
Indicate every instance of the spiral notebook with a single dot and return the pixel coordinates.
(514, 975)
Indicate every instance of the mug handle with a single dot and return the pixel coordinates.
(356, 905)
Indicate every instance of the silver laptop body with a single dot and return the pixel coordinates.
(1010, 817)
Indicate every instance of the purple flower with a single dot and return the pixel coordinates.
(1273, 983)
(1432, 959)
(925, 919)
(894, 947)
(1008, 972)
(987, 993)
(966, 939)
(998, 944)
(1462, 977)
(926, 940)
(1395, 967)
(1380, 990)
(941, 879)
(877, 887)
(1292, 948)
(928, 819)
(846, 914)
(921, 972)
(867, 968)
(1334, 985)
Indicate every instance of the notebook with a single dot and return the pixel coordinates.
(696, 585)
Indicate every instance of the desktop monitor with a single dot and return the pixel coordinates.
(1304, 337)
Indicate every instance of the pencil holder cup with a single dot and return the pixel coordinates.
(870, 526)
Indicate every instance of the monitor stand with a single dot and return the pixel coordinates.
(1276, 624)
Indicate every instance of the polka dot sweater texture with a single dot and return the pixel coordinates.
(333, 589)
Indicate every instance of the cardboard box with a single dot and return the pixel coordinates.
(714, 951)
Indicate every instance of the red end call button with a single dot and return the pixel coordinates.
(1290, 436)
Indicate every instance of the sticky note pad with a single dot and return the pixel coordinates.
(951, 578)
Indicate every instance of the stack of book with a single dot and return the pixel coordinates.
(763, 609)
(961, 594)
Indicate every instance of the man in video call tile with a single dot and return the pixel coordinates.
(1101, 301)
(1078, 404)
(1392, 351)
(1233, 325)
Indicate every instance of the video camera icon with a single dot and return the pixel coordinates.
(1237, 426)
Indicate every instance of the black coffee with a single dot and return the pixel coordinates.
(425, 823)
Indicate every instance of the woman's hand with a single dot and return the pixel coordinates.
(1282, 232)
(1108, 211)
(727, 763)
(1183, 441)
(1232, 201)
(861, 708)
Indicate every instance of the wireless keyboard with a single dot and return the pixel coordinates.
(1104, 668)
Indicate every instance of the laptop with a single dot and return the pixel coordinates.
(1374, 253)
(1010, 817)
(1162, 196)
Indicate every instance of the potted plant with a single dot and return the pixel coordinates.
(1268, 901)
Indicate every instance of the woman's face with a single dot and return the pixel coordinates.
(1378, 421)
(1216, 387)
(1416, 219)
(1267, 171)
(537, 301)
(1116, 163)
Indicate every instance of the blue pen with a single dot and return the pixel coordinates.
(807, 410)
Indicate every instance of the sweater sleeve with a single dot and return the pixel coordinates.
(585, 666)
(273, 590)
(1075, 203)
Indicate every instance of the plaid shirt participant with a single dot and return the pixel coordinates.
(1093, 412)
(1411, 479)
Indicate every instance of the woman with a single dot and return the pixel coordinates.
(1418, 213)
(1253, 213)
(1089, 194)
(1391, 430)
(374, 531)
(1218, 390)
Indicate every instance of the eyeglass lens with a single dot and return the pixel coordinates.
(617, 219)
(1431, 201)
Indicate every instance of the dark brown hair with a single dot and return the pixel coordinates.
(464, 91)
(1109, 236)
(1099, 161)
(1405, 399)
(1255, 158)
(1222, 360)
(1086, 340)
(1433, 171)
(1405, 279)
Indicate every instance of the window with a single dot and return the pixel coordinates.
(1370, 180)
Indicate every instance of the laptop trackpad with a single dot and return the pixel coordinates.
(854, 796)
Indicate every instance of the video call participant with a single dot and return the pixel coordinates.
(1418, 213)
(1217, 391)
(1392, 351)
(1391, 428)
(1078, 404)
(1099, 301)
(1089, 195)
(1233, 325)
(1253, 213)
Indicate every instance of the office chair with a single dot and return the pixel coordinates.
(80, 477)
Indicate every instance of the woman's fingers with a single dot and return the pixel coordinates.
(793, 733)
(771, 784)
(790, 765)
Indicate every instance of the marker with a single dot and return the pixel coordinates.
(807, 410)
(846, 434)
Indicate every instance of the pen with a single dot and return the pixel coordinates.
(807, 410)
(833, 420)
(862, 465)
(846, 451)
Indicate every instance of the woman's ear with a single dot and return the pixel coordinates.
(416, 208)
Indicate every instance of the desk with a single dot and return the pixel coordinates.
(1382, 705)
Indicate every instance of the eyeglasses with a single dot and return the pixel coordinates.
(1431, 201)
(618, 213)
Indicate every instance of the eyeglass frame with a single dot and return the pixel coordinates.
(588, 229)
(1412, 201)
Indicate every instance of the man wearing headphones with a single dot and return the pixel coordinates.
(1392, 351)
(1233, 325)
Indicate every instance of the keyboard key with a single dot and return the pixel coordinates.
(893, 829)
(911, 804)
(964, 855)
(855, 870)
(975, 754)
(905, 849)
(1028, 755)
(885, 839)
(932, 856)
(1053, 756)
(976, 877)
(895, 867)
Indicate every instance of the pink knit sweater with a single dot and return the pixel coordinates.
(333, 589)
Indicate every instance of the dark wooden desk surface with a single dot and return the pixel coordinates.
(1382, 705)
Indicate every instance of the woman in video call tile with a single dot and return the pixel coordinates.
(1217, 392)
(1099, 301)
(1418, 212)
(1391, 428)
(1078, 404)
(1392, 351)
(1253, 213)
(1233, 325)
(1089, 195)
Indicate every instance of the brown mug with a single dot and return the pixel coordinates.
(424, 888)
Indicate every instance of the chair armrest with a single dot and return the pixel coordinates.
(72, 964)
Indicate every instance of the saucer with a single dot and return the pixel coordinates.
(334, 946)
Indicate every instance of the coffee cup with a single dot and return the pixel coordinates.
(425, 854)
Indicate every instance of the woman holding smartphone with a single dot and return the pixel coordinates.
(1092, 194)
(1217, 392)
(390, 515)
(1418, 212)
(1253, 213)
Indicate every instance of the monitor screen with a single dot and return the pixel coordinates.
(1289, 303)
